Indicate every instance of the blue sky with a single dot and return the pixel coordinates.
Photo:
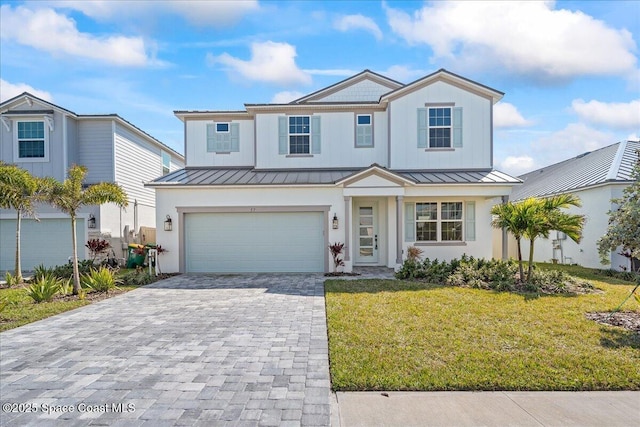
(569, 69)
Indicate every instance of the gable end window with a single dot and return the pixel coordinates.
(223, 137)
(440, 127)
(364, 130)
(31, 140)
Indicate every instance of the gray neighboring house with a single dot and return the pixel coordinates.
(46, 140)
(596, 177)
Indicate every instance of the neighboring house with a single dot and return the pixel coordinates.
(369, 162)
(46, 140)
(595, 177)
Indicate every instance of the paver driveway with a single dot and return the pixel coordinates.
(189, 350)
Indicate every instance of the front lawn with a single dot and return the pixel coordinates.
(397, 335)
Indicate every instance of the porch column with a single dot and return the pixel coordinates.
(399, 200)
(347, 228)
(505, 237)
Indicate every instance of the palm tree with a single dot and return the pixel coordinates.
(513, 217)
(546, 215)
(71, 194)
(20, 190)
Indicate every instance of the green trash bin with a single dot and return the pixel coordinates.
(136, 259)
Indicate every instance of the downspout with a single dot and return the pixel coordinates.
(505, 241)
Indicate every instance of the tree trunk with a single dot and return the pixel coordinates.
(18, 267)
(521, 270)
(76, 273)
(530, 269)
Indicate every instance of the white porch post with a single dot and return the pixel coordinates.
(505, 237)
(347, 228)
(399, 233)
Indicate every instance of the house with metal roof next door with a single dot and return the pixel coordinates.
(368, 162)
(595, 177)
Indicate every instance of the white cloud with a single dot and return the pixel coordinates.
(286, 97)
(507, 115)
(517, 165)
(10, 90)
(617, 115)
(404, 74)
(219, 13)
(357, 22)
(574, 139)
(49, 31)
(270, 62)
(527, 38)
(340, 72)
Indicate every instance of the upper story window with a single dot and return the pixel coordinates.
(299, 135)
(440, 127)
(364, 130)
(166, 163)
(223, 137)
(31, 141)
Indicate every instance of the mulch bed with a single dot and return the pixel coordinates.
(625, 319)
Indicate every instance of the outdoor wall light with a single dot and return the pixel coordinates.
(335, 221)
(168, 226)
(91, 222)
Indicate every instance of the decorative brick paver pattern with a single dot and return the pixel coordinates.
(244, 350)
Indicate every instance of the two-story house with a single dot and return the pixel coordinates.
(369, 162)
(46, 140)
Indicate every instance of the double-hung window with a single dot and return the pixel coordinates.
(299, 135)
(31, 139)
(364, 130)
(440, 127)
(438, 221)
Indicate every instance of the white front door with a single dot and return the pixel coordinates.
(366, 230)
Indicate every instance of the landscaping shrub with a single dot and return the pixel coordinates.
(495, 275)
(43, 288)
(66, 270)
(11, 280)
(137, 278)
(100, 280)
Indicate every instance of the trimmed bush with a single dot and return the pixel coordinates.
(43, 288)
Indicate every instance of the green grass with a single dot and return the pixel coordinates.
(396, 335)
(21, 309)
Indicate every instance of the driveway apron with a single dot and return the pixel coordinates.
(188, 350)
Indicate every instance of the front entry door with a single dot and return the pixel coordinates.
(367, 232)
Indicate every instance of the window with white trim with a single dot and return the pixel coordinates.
(439, 221)
(166, 163)
(223, 137)
(364, 130)
(440, 127)
(299, 135)
(32, 139)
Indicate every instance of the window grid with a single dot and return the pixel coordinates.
(31, 139)
(439, 221)
(299, 135)
(364, 130)
(440, 127)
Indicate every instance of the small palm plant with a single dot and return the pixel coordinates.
(44, 288)
(100, 280)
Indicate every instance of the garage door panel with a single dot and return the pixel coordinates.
(254, 242)
(47, 242)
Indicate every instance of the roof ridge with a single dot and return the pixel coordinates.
(617, 161)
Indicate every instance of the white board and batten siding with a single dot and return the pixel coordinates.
(475, 152)
(198, 155)
(95, 150)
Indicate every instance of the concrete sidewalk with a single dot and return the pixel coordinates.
(502, 408)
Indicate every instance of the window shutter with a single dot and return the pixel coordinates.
(409, 222)
(283, 133)
(235, 137)
(423, 128)
(315, 135)
(470, 221)
(457, 127)
(211, 137)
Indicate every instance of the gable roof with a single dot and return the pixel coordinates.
(384, 82)
(28, 97)
(611, 164)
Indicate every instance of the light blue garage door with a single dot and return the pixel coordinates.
(45, 242)
(254, 242)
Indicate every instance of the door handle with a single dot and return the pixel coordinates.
(376, 237)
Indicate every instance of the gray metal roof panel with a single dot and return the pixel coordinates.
(585, 170)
